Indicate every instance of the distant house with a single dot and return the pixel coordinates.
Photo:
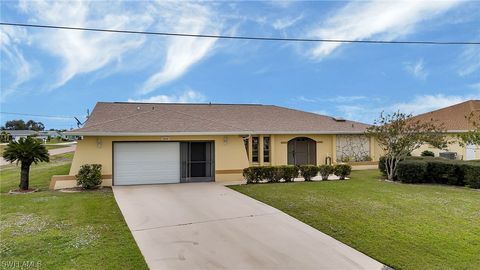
(43, 135)
(152, 143)
(455, 122)
(17, 134)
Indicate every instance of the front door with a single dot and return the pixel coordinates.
(302, 151)
(470, 152)
(197, 161)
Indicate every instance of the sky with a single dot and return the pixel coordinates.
(63, 73)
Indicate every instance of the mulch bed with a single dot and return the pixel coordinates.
(20, 191)
(80, 189)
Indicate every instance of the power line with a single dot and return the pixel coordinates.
(418, 42)
(39, 115)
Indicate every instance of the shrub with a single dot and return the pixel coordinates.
(289, 172)
(308, 172)
(471, 174)
(427, 153)
(342, 170)
(325, 171)
(412, 171)
(89, 176)
(272, 174)
(441, 171)
(253, 174)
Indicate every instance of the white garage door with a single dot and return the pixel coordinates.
(138, 163)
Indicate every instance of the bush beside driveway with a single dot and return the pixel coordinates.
(403, 225)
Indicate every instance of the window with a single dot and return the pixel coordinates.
(245, 142)
(255, 149)
(266, 149)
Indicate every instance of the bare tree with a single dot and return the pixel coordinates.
(398, 134)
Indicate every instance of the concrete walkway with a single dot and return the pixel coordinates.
(209, 226)
(52, 152)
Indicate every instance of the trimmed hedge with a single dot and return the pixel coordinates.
(427, 153)
(325, 171)
(342, 170)
(439, 171)
(89, 176)
(289, 172)
(471, 174)
(308, 172)
(411, 171)
(274, 174)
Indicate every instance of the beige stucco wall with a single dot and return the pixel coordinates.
(325, 147)
(230, 155)
(454, 146)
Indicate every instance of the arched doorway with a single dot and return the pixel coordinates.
(302, 151)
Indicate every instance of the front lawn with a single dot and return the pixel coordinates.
(404, 226)
(48, 146)
(63, 230)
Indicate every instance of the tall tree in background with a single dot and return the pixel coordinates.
(398, 135)
(21, 125)
(37, 126)
(473, 135)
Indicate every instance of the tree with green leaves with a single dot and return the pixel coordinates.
(472, 136)
(26, 151)
(399, 134)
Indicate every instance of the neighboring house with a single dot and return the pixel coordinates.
(43, 135)
(148, 143)
(455, 122)
(17, 134)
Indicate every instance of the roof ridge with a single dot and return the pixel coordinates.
(316, 114)
(181, 103)
(453, 105)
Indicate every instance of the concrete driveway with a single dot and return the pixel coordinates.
(209, 226)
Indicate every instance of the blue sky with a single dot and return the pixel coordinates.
(64, 73)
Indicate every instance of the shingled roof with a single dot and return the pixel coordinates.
(123, 118)
(454, 117)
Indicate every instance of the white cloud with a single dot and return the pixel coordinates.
(183, 52)
(346, 99)
(336, 99)
(470, 60)
(417, 69)
(426, 103)
(387, 20)
(367, 112)
(286, 22)
(15, 68)
(188, 96)
(81, 51)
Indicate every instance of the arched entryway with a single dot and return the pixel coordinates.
(302, 151)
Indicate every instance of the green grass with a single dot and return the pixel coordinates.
(403, 226)
(48, 146)
(63, 230)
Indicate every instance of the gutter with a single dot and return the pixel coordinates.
(199, 133)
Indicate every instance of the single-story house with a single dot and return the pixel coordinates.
(455, 120)
(42, 135)
(17, 134)
(149, 143)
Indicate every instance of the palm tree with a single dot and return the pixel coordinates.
(26, 151)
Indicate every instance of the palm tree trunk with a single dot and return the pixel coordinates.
(24, 176)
